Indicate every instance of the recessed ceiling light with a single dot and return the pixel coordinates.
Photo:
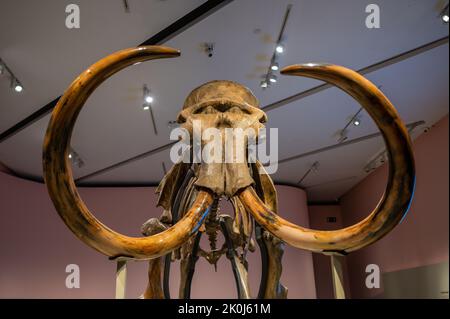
(146, 107)
(273, 78)
(264, 84)
(445, 18)
(274, 66)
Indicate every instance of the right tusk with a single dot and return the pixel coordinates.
(396, 200)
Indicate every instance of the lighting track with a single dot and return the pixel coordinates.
(15, 83)
(269, 77)
(343, 133)
(314, 167)
(371, 68)
(127, 161)
(214, 5)
(366, 70)
(126, 6)
(185, 22)
(335, 181)
(410, 126)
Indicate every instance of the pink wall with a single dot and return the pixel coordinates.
(298, 269)
(36, 246)
(422, 238)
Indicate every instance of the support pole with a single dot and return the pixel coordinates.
(338, 277)
(121, 278)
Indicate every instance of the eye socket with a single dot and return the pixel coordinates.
(220, 108)
(208, 109)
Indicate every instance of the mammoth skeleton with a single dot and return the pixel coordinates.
(190, 192)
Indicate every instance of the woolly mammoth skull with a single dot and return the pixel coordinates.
(223, 104)
(228, 108)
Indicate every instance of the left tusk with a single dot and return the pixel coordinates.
(59, 179)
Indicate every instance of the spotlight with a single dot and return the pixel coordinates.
(279, 48)
(15, 83)
(274, 66)
(356, 122)
(149, 99)
(376, 162)
(269, 78)
(17, 86)
(273, 78)
(444, 14)
(76, 159)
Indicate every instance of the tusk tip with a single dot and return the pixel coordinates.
(159, 49)
(298, 68)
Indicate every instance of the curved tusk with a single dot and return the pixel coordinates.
(58, 172)
(396, 200)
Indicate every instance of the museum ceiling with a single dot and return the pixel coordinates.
(116, 138)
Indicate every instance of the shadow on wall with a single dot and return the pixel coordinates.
(37, 247)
